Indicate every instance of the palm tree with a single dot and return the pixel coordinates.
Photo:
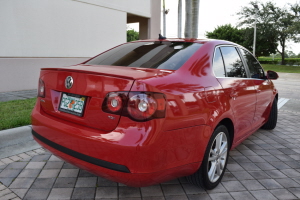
(191, 18)
(179, 18)
(164, 18)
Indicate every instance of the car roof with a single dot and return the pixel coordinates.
(202, 41)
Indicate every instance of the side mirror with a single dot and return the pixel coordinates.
(272, 75)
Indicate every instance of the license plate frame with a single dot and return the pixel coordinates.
(78, 100)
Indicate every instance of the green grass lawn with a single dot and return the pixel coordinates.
(281, 68)
(15, 113)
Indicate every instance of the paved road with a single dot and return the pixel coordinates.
(265, 166)
(288, 86)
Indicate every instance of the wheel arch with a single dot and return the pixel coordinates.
(230, 127)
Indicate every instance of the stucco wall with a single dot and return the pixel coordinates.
(32, 32)
(23, 73)
(58, 28)
(155, 19)
(136, 7)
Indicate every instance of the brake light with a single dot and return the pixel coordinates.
(139, 106)
(41, 88)
(114, 102)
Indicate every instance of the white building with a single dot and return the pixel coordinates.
(34, 29)
(72, 28)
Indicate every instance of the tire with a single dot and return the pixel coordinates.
(215, 160)
(272, 121)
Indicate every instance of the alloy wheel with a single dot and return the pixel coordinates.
(217, 157)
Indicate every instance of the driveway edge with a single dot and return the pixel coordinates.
(16, 140)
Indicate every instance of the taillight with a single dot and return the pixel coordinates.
(144, 106)
(139, 106)
(41, 88)
(114, 102)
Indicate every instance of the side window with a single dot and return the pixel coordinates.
(218, 64)
(233, 63)
(255, 69)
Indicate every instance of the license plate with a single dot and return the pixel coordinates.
(72, 104)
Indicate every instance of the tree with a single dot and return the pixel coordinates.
(291, 54)
(266, 44)
(179, 18)
(282, 23)
(132, 35)
(191, 18)
(227, 32)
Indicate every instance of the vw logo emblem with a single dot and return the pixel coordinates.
(69, 82)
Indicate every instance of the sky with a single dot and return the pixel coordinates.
(214, 13)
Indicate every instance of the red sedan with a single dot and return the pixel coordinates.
(149, 111)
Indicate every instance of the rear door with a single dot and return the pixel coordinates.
(231, 73)
(263, 87)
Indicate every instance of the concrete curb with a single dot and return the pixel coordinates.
(16, 140)
(15, 135)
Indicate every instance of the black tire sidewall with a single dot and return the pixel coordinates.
(272, 120)
(206, 182)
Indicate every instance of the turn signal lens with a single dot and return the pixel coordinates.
(143, 106)
(41, 88)
(114, 102)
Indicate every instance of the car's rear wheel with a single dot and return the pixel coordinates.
(215, 160)
(272, 121)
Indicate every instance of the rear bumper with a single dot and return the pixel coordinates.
(136, 154)
(130, 179)
(80, 156)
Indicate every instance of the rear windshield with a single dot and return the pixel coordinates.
(157, 55)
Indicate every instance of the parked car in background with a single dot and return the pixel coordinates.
(149, 111)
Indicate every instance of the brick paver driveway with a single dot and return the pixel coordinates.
(265, 166)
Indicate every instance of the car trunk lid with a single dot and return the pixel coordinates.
(82, 103)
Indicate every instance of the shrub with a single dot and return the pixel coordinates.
(288, 61)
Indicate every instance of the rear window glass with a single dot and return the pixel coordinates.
(158, 55)
(233, 63)
(256, 71)
(218, 64)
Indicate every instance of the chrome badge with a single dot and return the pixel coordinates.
(69, 82)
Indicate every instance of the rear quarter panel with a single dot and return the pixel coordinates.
(194, 96)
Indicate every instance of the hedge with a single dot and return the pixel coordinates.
(288, 61)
